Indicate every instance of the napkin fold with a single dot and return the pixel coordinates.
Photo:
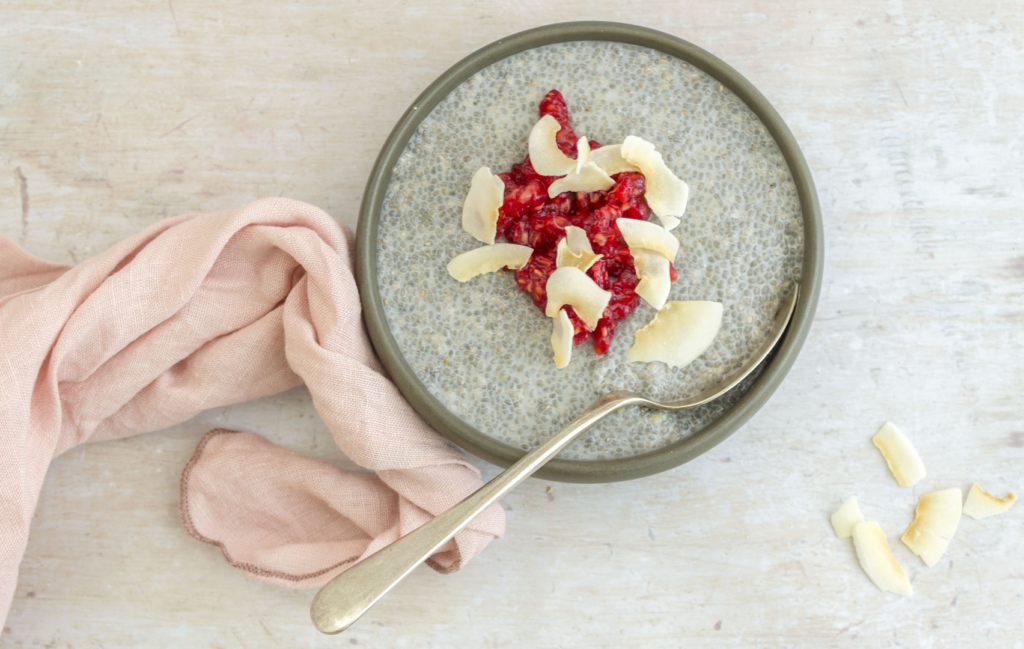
(206, 310)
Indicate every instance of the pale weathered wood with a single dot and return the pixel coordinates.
(116, 114)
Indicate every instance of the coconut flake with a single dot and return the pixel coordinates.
(570, 285)
(577, 239)
(655, 278)
(935, 522)
(590, 178)
(565, 257)
(877, 560)
(480, 209)
(904, 462)
(488, 259)
(678, 334)
(846, 517)
(582, 153)
(610, 159)
(561, 339)
(649, 236)
(666, 194)
(575, 250)
(981, 504)
(669, 222)
(545, 156)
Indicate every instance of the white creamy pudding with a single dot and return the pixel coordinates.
(482, 348)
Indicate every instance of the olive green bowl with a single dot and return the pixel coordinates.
(499, 452)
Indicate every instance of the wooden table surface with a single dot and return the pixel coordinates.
(114, 115)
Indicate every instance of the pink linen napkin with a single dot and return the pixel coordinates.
(206, 310)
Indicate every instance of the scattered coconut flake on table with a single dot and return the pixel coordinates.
(568, 285)
(590, 178)
(904, 462)
(488, 259)
(561, 339)
(649, 236)
(666, 194)
(575, 250)
(981, 504)
(655, 278)
(935, 522)
(877, 559)
(480, 209)
(545, 156)
(678, 334)
(610, 159)
(846, 517)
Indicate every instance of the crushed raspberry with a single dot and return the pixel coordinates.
(528, 217)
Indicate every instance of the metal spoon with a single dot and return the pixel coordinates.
(345, 598)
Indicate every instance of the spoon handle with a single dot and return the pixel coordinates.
(350, 594)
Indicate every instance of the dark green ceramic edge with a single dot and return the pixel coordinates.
(498, 452)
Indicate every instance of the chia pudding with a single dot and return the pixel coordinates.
(482, 349)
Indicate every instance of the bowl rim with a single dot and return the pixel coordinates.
(587, 471)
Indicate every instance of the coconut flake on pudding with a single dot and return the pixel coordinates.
(649, 236)
(545, 156)
(480, 209)
(568, 285)
(488, 259)
(575, 250)
(679, 333)
(666, 194)
(655, 276)
(577, 240)
(590, 178)
(561, 339)
(610, 159)
(582, 152)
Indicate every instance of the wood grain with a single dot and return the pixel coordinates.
(113, 116)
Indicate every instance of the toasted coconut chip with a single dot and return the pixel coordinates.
(669, 222)
(480, 209)
(590, 178)
(655, 280)
(561, 339)
(649, 236)
(679, 333)
(937, 516)
(610, 159)
(665, 193)
(569, 285)
(981, 504)
(877, 560)
(846, 517)
(582, 153)
(488, 259)
(904, 462)
(577, 239)
(545, 156)
(583, 260)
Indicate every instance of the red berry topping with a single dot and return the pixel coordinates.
(528, 217)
